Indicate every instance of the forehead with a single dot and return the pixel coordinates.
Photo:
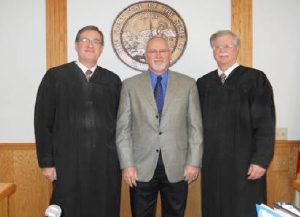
(90, 34)
(157, 43)
(224, 38)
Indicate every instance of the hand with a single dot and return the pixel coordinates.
(255, 172)
(191, 173)
(49, 173)
(130, 176)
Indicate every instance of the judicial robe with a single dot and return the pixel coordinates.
(75, 123)
(239, 130)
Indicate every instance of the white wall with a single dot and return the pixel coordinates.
(22, 65)
(276, 50)
(201, 17)
(23, 56)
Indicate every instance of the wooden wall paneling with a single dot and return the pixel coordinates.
(6, 190)
(26, 168)
(6, 165)
(241, 24)
(193, 207)
(282, 172)
(3, 207)
(18, 165)
(6, 175)
(56, 32)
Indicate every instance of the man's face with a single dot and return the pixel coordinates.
(225, 52)
(158, 55)
(89, 47)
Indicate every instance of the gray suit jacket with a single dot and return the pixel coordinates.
(140, 136)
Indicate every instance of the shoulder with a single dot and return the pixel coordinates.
(207, 76)
(55, 73)
(252, 74)
(63, 67)
(108, 73)
(141, 76)
(181, 77)
(250, 71)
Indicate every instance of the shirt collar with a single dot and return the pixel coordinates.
(164, 78)
(84, 69)
(229, 70)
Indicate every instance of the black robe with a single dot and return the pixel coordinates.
(239, 130)
(75, 124)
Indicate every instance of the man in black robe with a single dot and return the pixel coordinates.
(239, 132)
(75, 123)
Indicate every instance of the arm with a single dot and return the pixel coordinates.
(195, 136)
(124, 139)
(43, 122)
(263, 126)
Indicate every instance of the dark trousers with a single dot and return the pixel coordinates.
(173, 195)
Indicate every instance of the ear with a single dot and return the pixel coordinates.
(170, 57)
(76, 46)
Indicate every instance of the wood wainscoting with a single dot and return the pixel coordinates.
(282, 172)
(18, 164)
(6, 190)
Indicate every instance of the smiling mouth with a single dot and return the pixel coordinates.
(223, 54)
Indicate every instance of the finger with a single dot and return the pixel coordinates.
(54, 175)
(128, 182)
(49, 178)
(134, 183)
(191, 180)
(252, 176)
(186, 178)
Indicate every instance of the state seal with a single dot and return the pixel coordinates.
(139, 22)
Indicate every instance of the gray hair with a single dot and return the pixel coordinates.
(237, 40)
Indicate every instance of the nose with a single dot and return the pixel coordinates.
(222, 48)
(158, 53)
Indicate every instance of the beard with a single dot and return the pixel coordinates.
(159, 67)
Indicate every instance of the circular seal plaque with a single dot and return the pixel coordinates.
(139, 22)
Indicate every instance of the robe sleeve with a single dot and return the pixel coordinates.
(44, 118)
(263, 122)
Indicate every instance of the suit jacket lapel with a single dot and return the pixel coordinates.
(172, 87)
(146, 88)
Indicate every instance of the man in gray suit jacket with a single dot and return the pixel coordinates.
(159, 134)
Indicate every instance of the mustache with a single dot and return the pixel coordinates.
(223, 54)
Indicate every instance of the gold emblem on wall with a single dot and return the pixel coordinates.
(139, 22)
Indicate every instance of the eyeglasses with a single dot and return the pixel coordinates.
(88, 41)
(225, 46)
(162, 52)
